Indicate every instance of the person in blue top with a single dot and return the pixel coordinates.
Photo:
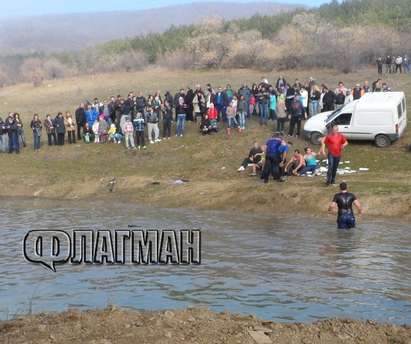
(91, 115)
(311, 164)
(219, 101)
(273, 105)
(283, 150)
(273, 157)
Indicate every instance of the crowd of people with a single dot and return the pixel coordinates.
(393, 64)
(138, 119)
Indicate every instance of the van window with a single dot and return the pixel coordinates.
(399, 110)
(343, 119)
(403, 104)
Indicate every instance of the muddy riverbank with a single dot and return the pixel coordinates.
(119, 326)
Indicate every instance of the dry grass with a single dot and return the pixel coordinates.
(209, 163)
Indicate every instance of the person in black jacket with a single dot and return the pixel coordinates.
(112, 109)
(379, 65)
(12, 130)
(167, 119)
(188, 100)
(80, 120)
(140, 103)
(36, 127)
(180, 116)
(328, 99)
(297, 113)
(60, 129)
(289, 96)
(169, 97)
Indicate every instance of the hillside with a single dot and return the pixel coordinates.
(56, 33)
(345, 36)
(209, 163)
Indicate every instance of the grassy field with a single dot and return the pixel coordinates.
(209, 163)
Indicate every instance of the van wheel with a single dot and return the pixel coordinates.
(382, 141)
(316, 138)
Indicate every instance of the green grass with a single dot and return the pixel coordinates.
(209, 162)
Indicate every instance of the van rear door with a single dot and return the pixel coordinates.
(401, 118)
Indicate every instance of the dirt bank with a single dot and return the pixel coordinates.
(241, 193)
(117, 326)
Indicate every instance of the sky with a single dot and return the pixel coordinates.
(17, 8)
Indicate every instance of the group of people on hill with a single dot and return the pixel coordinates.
(393, 64)
(135, 119)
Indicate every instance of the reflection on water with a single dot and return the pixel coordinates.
(285, 269)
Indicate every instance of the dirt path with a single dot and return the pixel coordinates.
(117, 326)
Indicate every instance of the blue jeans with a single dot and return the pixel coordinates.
(181, 119)
(314, 107)
(3, 143)
(306, 169)
(263, 107)
(241, 119)
(333, 163)
(346, 221)
(14, 144)
(232, 122)
(36, 141)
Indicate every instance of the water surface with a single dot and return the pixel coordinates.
(282, 269)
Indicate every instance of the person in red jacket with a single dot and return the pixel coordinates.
(335, 143)
(212, 117)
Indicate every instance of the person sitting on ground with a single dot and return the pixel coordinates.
(296, 164)
(254, 159)
(311, 165)
(112, 132)
(205, 126)
(88, 135)
(94, 128)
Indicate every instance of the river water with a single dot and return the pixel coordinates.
(278, 268)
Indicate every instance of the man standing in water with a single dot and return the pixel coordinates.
(344, 201)
(335, 143)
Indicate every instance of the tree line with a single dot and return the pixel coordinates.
(340, 35)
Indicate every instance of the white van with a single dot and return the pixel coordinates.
(379, 116)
